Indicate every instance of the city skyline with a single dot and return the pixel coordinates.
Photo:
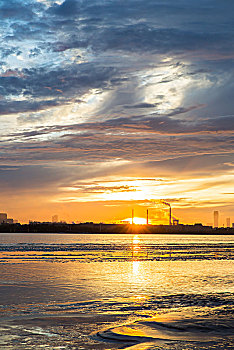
(107, 106)
(149, 218)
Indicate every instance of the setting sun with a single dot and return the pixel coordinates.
(136, 220)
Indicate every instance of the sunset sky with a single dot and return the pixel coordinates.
(109, 105)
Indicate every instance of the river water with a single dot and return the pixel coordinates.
(60, 291)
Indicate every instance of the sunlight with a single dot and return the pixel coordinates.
(136, 240)
(135, 244)
(136, 221)
(135, 268)
(157, 83)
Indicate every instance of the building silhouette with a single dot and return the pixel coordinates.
(216, 218)
(228, 221)
(55, 218)
(3, 218)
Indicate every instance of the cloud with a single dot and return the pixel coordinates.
(93, 188)
(159, 124)
(67, 9)
(28, 178)
(194, 164)
(15, 9)
(10, 51)
(142, 105)
(50, 88)
(14, 107)
(90, 30)
(157, 27)
(99, 144)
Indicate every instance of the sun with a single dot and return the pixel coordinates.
(136, 220)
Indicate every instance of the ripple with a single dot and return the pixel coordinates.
(172, 327)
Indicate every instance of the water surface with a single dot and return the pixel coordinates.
(116, 291)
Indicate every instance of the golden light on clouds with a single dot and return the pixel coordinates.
(150, 189)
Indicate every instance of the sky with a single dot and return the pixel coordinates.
(109, 105)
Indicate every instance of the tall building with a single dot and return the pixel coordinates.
(55, 218)
(3, 218)
(216, 218)
(228, 222)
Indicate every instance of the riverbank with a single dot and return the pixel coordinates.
(114, 228)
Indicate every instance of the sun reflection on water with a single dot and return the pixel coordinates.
(135, 268)
(136, 241)
(135, 246)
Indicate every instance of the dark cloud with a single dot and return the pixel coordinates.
(14, 107)
(161, 124)
(67, 8)
(142, 105)
(5, 52)
(158, 27)
(132, 139)
(141, 37)
(15, 9)
(99, 27)
(96, 146)
(59, 85)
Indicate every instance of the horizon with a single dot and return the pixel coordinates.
(222, 222)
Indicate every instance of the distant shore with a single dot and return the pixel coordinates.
(96, 228)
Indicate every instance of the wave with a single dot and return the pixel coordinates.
(81, 252)
(198, 247)
(220, 304)
(172, 327)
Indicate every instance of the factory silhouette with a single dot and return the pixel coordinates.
(173, 226)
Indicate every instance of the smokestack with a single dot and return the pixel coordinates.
(132, 216)
(169, 205)
(147, 217)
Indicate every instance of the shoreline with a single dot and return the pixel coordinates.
(101, 228)
(119, 233)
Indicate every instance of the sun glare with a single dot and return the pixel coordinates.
(136, 220)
